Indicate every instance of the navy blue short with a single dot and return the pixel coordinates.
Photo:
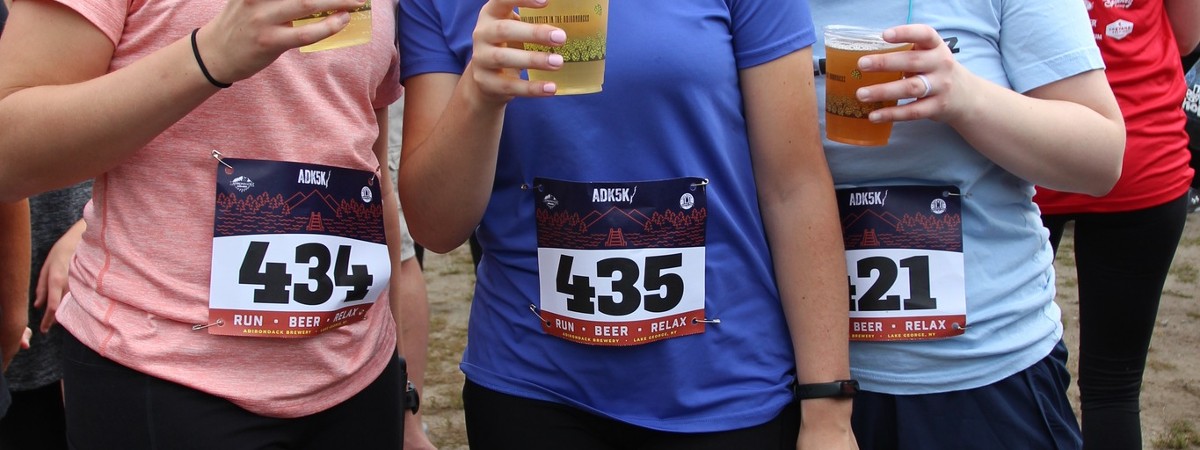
(1028, 410)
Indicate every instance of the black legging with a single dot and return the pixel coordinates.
(1122, 261)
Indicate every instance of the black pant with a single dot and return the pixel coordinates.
(36, 420)
(1122, 260)
(497, 421)
(110, 406)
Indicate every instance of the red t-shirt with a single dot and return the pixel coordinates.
(1143, 69)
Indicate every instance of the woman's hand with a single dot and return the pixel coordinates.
(499, 55)
(249, 35)
(1066, 135)
(940, 85)
(52, 284)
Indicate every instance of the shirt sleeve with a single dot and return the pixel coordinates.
(423, 38)
(766, 30)
(1043, 41)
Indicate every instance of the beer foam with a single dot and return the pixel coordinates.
(858, 45)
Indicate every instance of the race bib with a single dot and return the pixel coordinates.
(904, 256)
(621, 264)
(298, 249)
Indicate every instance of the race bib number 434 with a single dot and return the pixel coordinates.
(298, 249)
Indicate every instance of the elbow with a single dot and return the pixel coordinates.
(1188, 45)
(438, 247)
(10, 190)
(435, 239)
(1106, 182)
(1104, 179)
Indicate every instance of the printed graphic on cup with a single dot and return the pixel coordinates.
(357, 32)
(586, 24)
(845, 116)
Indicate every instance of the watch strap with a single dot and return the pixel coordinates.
(836, 389)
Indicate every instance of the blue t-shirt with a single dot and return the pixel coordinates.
(671, 107)
(3, 16)
(1012, 319)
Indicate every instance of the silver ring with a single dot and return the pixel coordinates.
(928, 87)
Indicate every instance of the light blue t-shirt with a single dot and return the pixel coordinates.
(671, 107)
(1012, 319)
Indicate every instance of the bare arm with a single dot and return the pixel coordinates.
(15, 257)
(63, 119)
(452, 126)
(406, 294)
(795, 191)
(1073, 123)
(1185, 22)
(414, 327)
(391, 220)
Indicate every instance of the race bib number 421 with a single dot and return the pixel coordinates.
(298, 249)
(904, 257)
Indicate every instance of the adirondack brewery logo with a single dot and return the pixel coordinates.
(242, 184)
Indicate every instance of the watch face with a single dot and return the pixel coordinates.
(849, 388)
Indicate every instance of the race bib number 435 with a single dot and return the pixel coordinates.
(621, 263)
(298, 249)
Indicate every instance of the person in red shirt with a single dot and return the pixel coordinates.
(1125, 241)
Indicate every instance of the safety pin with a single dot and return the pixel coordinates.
(951, 194)
(533, 309)
(201, 326)
(703, 320)
(217, 156)
(703, 182)
(956, 326)
(371, 181)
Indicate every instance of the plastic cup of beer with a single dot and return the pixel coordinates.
(846, 117)
(586, 24)
(357, 32)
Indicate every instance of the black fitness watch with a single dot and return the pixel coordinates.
(412, 400)
(835, 389)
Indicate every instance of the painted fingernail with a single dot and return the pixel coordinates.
(549, 88)
(558, 36)
(555, 60)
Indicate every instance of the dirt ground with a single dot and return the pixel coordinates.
(1170, 394)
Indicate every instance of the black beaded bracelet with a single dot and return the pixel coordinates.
(196, 51)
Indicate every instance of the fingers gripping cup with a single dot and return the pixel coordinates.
(357, 31)
(586, 24)
(846, 117)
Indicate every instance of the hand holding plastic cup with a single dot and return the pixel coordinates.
(846, 117)
(357, 31)
(586, 24)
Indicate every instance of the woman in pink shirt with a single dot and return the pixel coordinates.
(230, 288)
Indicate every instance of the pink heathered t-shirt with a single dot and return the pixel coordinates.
(140, 278)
